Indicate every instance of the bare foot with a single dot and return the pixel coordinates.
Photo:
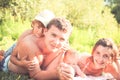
(1, 55)
(2, 52)
(1, 58)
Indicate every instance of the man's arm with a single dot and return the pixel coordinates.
(39, 74)
(33, 54)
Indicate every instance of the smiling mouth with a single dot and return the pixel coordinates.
(54, 47)
(99, 63)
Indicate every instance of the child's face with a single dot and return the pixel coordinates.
(38, 27)
(102, 56)
(38, 31)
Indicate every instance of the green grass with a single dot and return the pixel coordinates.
(89, 24)
(12, 76)
(81, 39)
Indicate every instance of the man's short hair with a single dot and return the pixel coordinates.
(61, 24)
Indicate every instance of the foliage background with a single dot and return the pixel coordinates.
(91, 20)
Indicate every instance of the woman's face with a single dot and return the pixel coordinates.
(102, 56)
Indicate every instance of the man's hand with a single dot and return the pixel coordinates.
(78, 71)
(66, 72)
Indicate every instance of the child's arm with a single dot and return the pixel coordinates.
(22, 63)
(117, 62)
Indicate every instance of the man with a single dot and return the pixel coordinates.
(45, 51)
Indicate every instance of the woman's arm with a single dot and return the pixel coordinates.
(113, 69)
(117, 62)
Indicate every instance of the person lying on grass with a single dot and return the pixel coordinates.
(102, 60)
(45, 51)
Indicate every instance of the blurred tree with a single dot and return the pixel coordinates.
(5, 3)
(116, 2)
(116, 12)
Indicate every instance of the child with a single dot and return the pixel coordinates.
(38, 26)
(70, 58)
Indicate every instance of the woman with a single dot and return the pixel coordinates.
(103, 60)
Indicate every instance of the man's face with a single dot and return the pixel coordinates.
(55, 39)
(102, 56)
